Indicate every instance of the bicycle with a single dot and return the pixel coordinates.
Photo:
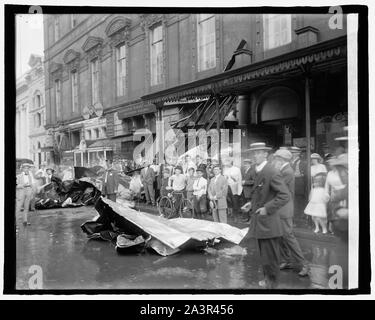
(167, 206)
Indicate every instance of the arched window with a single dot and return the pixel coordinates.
(38, 119)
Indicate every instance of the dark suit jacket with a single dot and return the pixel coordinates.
(270, 192)
(287, 173)
(220, 190)
(147, 175)
(111, 186)
(248, 178)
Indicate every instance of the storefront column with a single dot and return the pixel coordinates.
(160, 131)
(218, 124)
(308, 131)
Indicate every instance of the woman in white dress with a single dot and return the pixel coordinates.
(317, 206)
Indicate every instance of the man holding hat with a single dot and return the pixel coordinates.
(289, 246)
(25, 186)
(268, 196)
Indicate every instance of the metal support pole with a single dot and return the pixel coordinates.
(160, 134)
(218, 124)
(308, 131)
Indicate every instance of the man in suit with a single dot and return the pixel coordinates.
(268, 196)
(26, 189)
(148, 178)
(111, 182)
(289, 246)
(217, 193)
(299, 168)
(248, 177)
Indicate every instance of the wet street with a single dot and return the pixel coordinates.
(68, 260)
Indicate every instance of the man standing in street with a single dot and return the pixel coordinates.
(111, 182)
(217, 193)
(247, 183)
(25, 187)
(233, 174)
(299, 168)
(148, 178)
(289, 246)
(268, 196)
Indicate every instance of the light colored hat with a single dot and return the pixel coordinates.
(295, 149)
(341, 160)
(258, 146)
(284, 154)
(315, 156)
(247, 160)
(26, 164)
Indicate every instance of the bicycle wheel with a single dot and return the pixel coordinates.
(165, 207)
(186, 209)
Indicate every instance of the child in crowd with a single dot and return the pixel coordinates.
(317, 206)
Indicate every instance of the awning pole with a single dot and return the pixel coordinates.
(308, 131)
(160, 133)
(218, 124)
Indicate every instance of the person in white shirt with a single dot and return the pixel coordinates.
(188, 163)
(177, 183)
(199, 195)
(234, 177)
(316, 165)
(26, 188)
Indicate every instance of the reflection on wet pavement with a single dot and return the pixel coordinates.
(68, 260)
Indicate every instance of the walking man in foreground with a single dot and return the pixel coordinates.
(25, 187)
(268, 196)
(289, 246)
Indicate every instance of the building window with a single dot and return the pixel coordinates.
(73, 20)
(120, 70)
(277, 30)
(57, 28)
(96, 131)
(74, 79)
(95, 81)
(58, 98)
(206, 42)
(37, 101)
(38, 120)
(156, 50)
(88, 134)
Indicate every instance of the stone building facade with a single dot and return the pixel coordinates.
(108, 75)
(31, 114)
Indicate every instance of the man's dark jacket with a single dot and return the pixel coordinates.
(270, 192)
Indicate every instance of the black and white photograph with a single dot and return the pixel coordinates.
(186, 149)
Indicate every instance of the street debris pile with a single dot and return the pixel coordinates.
(69, 193)
(135, 231)
(82, 191)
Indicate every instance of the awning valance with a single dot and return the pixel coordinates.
(320, 56)
(136, 109)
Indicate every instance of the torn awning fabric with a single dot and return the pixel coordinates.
(164, 236)
(69, 193)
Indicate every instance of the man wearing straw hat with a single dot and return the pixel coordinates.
(289, 246)
(269, 194)
(26, 187)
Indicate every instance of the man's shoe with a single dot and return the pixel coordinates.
(285, 265)
(304, 271)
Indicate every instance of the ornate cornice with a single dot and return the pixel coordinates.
(70, 56)
(92, 43)
(149, 20)
(116, 25)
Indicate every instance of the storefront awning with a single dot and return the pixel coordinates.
(136, 109)
(321, 56)
(103, 143)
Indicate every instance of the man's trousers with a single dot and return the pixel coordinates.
(269, 250)
(289, 246)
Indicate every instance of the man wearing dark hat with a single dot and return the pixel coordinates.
(26, 189)
(268, 196)
(289, 246)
